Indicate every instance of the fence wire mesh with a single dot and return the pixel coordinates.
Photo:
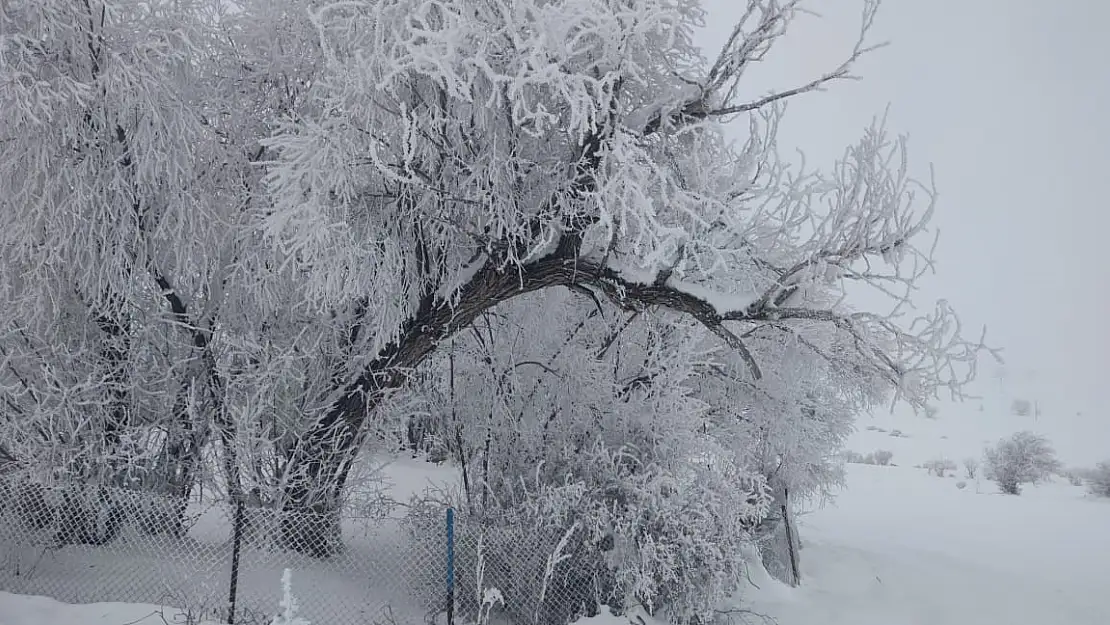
(526, 577)
(519, 574)
(86, 544)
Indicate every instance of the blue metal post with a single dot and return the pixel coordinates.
(450, 566)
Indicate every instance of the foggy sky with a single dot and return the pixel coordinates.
(1009, 100)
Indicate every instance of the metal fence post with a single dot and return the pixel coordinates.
(450, 566)
(236, 544)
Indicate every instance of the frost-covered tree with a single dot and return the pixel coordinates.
(464, 157)
(130, 178)
(111, 182)
(1024, 458)
(337, 189)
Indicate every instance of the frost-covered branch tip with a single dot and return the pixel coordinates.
(762, 24)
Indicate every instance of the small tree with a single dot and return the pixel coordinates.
(1024, 458)
(971, 467)
(883, 457)
(1098, 479)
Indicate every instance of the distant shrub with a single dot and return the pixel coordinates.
(1098, 479)
(1076, 477)
(1024, 458)
(961, 485)
(898, 434)
(851, 457)
(971, 467)
(879, 457)
(875, 428)
(883, 457)
(939, 466)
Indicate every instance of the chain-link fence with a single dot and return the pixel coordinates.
(532, 577)
(503, 572)
(221, 562)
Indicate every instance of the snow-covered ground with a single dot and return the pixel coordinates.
(23, 610)
(899, 547)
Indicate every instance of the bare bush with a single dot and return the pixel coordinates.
(883, 457)
(961, 485)
(1024, 458)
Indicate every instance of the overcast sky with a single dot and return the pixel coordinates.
(1010, 101)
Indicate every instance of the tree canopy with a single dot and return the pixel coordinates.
(232, 234)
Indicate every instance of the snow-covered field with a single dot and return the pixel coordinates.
(899, 547)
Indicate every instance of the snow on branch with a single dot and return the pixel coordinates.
(931, 349)
(547, 139)
(753, 37)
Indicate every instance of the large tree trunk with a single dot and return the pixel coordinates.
(320, 465)
(323, 457)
